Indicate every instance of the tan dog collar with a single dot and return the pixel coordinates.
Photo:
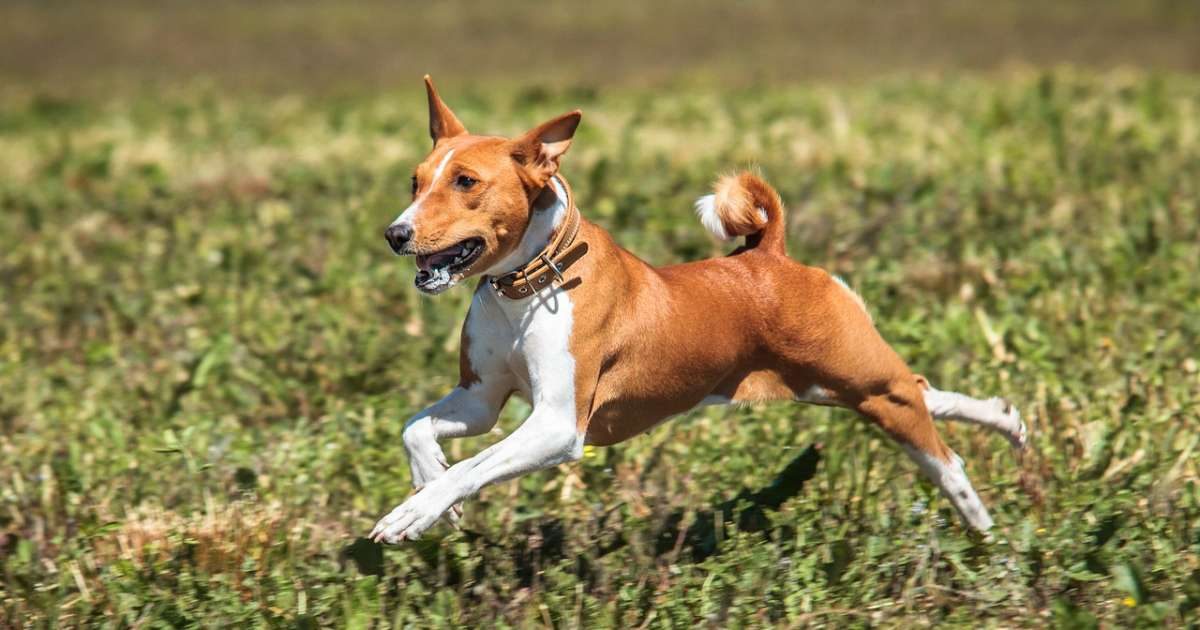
(548, 265)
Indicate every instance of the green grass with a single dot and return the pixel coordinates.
(207, 354)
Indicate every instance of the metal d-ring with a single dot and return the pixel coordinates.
(550, 263)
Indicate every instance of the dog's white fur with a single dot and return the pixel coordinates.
(952, 480)
(516, 344)
(994, 413)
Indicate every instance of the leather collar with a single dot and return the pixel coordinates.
(551, 262)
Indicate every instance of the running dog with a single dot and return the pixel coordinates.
(605, 346)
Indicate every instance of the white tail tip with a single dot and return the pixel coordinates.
(706, 209)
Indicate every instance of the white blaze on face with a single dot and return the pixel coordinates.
(409, 215)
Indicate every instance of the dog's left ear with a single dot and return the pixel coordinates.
(539, 150)
(442, 122)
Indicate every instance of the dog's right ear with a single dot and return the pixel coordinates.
(540, 150)
(442, 122)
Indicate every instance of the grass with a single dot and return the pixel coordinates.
(207, 354)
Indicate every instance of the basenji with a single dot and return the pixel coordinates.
(605, 346)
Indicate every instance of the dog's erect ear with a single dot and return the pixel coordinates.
(442, 122)
(540, 149)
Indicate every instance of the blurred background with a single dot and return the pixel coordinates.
(324, 46)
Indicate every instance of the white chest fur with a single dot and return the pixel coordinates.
(532, 338)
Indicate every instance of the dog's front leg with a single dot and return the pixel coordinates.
(545, 439)
(465, 411)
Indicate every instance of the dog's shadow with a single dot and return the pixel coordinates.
(544, 542)
(748, 509)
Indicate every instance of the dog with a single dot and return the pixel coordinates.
(605, 347)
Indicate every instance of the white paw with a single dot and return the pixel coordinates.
(411, 519)
(1017, 434)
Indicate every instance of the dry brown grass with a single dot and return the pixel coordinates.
(218, 540)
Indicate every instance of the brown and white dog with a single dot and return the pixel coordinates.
(605, 346)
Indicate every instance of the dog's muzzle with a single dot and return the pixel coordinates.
(398, 236)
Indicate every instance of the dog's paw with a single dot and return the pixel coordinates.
(1017, 433)
(410, 519)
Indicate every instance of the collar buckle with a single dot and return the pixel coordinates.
(553, 267)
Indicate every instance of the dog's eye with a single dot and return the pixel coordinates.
(414, 184)
(465, 182)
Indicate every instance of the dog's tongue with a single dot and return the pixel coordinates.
(425, 263)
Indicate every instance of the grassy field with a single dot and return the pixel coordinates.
(207, 353)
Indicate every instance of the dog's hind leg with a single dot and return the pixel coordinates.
(901, 413)
(996, 414)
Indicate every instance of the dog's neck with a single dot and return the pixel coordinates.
(547, 216)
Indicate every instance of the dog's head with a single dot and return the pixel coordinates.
(473, 196)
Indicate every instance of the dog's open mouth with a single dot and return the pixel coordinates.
(440, 270)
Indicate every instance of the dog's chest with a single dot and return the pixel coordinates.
(531, 338)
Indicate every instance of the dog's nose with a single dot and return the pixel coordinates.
(398, 235)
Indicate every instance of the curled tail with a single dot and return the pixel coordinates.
(744, 205)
